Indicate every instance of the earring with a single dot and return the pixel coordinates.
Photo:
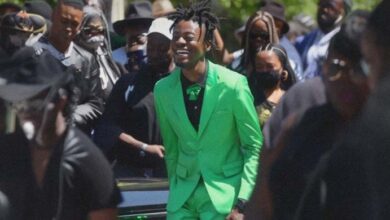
(284, 75)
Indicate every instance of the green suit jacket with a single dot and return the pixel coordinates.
(225, 149)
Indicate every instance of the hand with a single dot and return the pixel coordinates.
(235, 215)
(156, 149)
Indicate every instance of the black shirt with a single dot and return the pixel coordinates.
(87, 182)
(193, 105)
(130, 109)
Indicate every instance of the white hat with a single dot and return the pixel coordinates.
(162, 7)
(162, 26)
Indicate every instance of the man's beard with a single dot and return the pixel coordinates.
(329, 24)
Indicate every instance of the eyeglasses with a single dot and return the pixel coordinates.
(338, 67)
(261, 34)
(34, 104)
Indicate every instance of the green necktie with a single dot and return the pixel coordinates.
(193, 92)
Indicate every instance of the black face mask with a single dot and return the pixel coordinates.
(136, 59)
(267, 79)
(12, 43)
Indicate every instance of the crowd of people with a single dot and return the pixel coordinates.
(290, 126)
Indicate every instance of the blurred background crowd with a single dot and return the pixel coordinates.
(311, 67)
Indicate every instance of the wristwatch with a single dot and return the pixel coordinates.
(144, 146)
(240, 205)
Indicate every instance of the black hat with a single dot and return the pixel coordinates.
(276, 9)
(28, 72)
(22, 21)
(41, 8)
(19, 21)
(139, 12)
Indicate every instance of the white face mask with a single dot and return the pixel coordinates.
(28, 130)
(95, 41)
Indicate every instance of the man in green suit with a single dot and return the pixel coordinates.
(209, 126)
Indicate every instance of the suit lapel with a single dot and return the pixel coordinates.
(210, 97)
(178, 104)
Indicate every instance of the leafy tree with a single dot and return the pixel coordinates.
(233, 13)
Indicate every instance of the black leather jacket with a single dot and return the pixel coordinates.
(89, 94)
(90, 103)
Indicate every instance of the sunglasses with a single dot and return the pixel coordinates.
(261, 34)
(93, 31)
(338, 67)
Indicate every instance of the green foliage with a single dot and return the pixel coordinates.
(241, 9)
(233, 13)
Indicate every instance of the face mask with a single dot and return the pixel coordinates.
(14, 42)
(94, 42)
(267, 79)
(29, 130)
(17, 40)
(136, 59)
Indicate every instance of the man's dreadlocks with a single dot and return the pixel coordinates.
(199, 12)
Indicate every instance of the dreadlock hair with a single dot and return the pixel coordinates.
(281, 53)
(199, 12)
(267, 18)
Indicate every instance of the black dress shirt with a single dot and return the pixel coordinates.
(193, 107)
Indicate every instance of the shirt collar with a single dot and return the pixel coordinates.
(45, 44)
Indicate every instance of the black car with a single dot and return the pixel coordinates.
(143, 198)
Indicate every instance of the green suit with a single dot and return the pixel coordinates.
(225, 149)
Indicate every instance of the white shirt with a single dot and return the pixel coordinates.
(317, 53)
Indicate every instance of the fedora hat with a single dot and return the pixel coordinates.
(276, 9)
(139, 12)
(23, 21)
(28, 72)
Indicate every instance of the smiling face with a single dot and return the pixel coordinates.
(188, 44)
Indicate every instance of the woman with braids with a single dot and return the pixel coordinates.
(207, 121)
(260, 30)
(272, 76)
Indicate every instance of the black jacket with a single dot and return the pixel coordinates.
(90, 102)
(130, 109)
(88, 91)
